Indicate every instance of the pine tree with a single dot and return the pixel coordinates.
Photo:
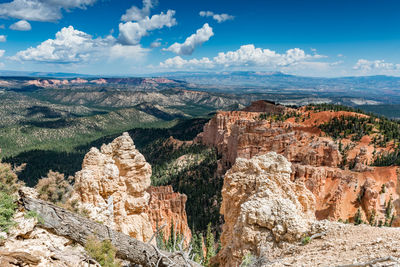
(389, 207)
(357, 217)
(372, 218)
(197, 248)
(210, 245)
(172, 238)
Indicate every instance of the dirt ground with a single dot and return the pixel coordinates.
(344, 245)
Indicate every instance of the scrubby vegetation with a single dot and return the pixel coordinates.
(7, 210)
(332, 107)
(102, 251)
(9, 184)
(280, 116)
(195, 249)
(388, 158)
(348, 127)
(54, 188)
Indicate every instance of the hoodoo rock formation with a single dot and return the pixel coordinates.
(262, 207)
(112, 186)
(167, 210)
(316, 158)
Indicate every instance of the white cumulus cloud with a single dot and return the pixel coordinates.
(3, 38)
(245, 56)
(40, 10)
(218, 17)
(179, 63)
(376, 66)
(201, 36)
(21, 25)
(135, 52)
(130, 33)
(135, 14)
(69, 46)
(2, 52)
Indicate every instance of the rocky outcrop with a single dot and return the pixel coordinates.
(80, 229)
(111, 187)
(167, 209)
(317, 159)
(28, 245)
(262, 208)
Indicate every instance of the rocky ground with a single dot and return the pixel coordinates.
(343, 245)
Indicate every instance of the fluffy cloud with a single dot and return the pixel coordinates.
(246, 55)
(377, 66)
(130, 33)
(3, 38)
(21, 25)
(156, 43)
(135, 52)
(2, 52)
(201, 36)
(40, 10)
(69, 46)
(136, 14)
(178, 63)
(218, 17)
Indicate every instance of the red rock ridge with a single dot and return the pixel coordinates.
(315, 158)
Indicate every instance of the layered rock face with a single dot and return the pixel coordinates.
(315, 157)
(112, 187)
(262, 208)
(168, 208)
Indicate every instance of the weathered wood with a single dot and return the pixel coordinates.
(77, 228)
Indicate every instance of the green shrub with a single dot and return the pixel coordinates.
(248, 260)
(7, 211)
(358, 217)
(306, 240)
(8, 186)
(102, 251)
(34, 214)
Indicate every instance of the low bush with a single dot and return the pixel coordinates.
(102, 251)
(54, 188)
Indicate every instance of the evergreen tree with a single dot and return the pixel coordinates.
(372, 218)
(210, 245)
(357, 217)
(197, 248)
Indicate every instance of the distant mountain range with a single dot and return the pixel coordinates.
(275, 86)
(281, 80)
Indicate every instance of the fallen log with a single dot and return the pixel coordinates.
(77, 228)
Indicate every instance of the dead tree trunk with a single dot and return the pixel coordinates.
(79, 229)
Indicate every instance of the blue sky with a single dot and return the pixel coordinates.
(133, 37)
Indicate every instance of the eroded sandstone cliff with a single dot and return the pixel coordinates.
(317, 158)
(167, 209)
